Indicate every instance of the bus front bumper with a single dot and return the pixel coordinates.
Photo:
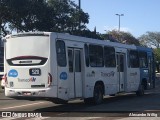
(50, 92)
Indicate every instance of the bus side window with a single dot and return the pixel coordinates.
(70, 60)
(61, 53)
(143, 59)
(133, 59)
(86, 55)
(109, 56)
(96, 56)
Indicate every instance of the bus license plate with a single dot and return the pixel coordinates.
(35, 71)
(26, 93)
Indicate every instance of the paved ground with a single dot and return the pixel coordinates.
(120, 107)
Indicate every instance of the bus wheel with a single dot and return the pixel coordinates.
(98, 94)
(140, 92)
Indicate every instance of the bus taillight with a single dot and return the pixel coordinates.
(49, 79)
(5, 79)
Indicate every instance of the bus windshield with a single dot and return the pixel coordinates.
(27, 50)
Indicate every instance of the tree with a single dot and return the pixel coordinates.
(157, 54)
(123, 37)
(157, 58)
(68, 16)
(41, 15)
(4, 17)
(21, 15)
(150, 39)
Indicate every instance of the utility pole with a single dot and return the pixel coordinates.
(119, 15)
(79, 14)
(119, 36)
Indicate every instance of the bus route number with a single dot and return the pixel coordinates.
(35, 72)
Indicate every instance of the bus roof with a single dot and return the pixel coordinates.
(28, 34)
(93, 41)
(66, 36)
(145, 49)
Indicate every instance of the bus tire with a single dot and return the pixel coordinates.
(98, 94)
(140, 92)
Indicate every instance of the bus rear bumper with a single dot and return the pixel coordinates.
(50, 92)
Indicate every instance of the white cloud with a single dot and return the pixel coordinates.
(125, 29)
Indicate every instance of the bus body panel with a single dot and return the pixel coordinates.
(70, 82)
(133, 79)
(24, 80)
(27, 66)
(107, 75)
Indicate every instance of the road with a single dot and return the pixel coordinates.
(119, 107)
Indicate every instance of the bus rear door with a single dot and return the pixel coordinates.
(75, 72)
(121, 70)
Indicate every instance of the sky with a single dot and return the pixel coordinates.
(139, 17)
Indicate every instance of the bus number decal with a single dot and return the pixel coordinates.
(35, 72)
(63, 76)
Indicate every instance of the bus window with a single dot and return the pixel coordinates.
(121, 63)
(96, 55)
(133, 59)
(109, 56)
(143, 59)
(61, 53)
(86, 55)
(70, 60)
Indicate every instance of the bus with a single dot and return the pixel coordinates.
(60, 67)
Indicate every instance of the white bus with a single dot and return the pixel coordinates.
(62, 67)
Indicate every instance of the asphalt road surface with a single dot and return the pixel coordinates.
(122, 107)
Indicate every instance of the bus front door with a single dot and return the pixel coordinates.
(75, 73)
(121, 71)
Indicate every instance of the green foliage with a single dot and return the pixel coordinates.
(41, 15)
(157, 54)
(68, 16)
